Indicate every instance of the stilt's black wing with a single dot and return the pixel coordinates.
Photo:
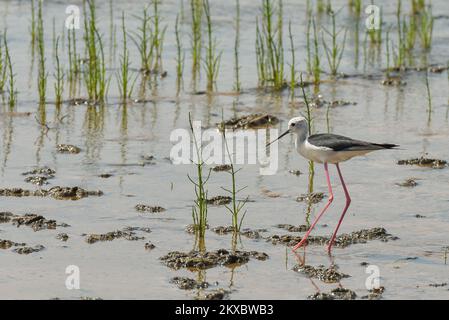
(342, 143)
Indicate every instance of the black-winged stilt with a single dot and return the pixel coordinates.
(328, 148)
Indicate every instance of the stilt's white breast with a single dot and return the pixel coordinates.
(312, 152)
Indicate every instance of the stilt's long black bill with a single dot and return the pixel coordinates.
(285, 133)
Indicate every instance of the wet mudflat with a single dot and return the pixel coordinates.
(95, 187)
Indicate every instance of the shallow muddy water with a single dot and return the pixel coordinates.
(116, 140)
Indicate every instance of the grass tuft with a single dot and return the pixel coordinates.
(212, 58)
(334, 53)
(124, 77)
(42, 73)
(59, 76)
(12, 94)
(269, 46)
(200, 207)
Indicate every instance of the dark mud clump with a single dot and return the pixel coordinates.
(221, 168)
(328, 275)
(321, 296)
(78, 101)
(141, 229)
(218, 294)
(28, 250)
(67, 148)
(341, 241)
(5, 217)
(270, 194)
(393, 82)
(149, 246)
(105, 175)
(147, 208)
(223, 230)
(219, 200)
(362, 236)
(147, 159)
(185, 283)
(335, 294)
(36, 222)
(252, 121)
(39, 176)
(341, 103)
(251, 234)
(62, 236)
(286, 239)
(59, 193)
(127, 234)
(21, 248)
(196, 260)
(292, 228)
(314, 197)
(71, 193)
(437, 285)
(6, 244)
(37, 180)
(45, 171)
(375, 294)
(19, 192)
(425, 162)
(192, 260)
(408, 183)
(437, 69)
(317, 101)
(191, 228)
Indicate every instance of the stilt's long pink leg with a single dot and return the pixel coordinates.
(331, 198)
(348, 202)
